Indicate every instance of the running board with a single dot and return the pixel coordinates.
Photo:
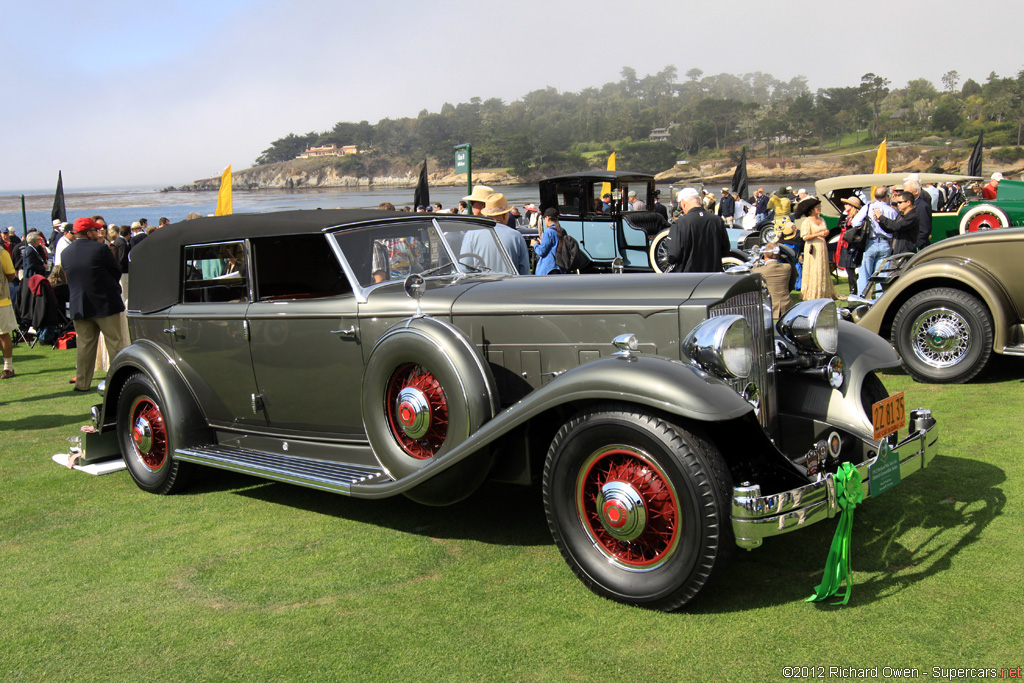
(315, 474)
(1014, 350)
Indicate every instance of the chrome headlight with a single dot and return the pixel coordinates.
(812, 325)
(722, 345)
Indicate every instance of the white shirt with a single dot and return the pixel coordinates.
(62, 244)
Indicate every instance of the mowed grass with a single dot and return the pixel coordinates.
(245, 580)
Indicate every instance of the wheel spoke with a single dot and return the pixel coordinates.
(417, 411)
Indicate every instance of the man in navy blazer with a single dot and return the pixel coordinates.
(93, 275)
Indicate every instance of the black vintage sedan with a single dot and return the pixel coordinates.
(374, 354)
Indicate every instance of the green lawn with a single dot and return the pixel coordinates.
(242, 579)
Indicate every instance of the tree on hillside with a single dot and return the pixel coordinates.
(874, 89)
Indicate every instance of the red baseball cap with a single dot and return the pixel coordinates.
(82, 224)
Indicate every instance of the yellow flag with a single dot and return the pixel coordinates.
(607, 187)
(881, 166)
(224, 195)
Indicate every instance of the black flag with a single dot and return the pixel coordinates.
(739, 177)
(59, 212)
(422, 196)
(974, 163)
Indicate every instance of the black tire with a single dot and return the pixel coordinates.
(147, 440)
(610, 455)
(943, 336)
(657, 252)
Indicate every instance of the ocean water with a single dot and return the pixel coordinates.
(120, 206)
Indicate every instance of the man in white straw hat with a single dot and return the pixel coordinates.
(477, 198)
(497, 209)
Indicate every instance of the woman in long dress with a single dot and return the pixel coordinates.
(817, 283)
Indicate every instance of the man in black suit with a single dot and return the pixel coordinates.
(93, 280)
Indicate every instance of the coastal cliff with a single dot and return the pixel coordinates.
(326, 173)
(329, 173)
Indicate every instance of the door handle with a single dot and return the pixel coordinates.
(174, 332)
(350, 333)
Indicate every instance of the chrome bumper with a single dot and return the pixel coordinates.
(756, 517)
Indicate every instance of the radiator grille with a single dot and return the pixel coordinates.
(756, 308)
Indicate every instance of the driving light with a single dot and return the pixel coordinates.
(722, 345)
(812, 325)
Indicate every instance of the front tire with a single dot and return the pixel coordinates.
(638, 506)
(943, 336)
(147, 440)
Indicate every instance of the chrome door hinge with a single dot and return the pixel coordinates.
(257, 403)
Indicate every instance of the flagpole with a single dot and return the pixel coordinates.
(24, 219)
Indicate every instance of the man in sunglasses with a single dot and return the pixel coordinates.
(94, 276)
(905, 228)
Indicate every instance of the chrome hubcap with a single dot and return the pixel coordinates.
(413, 411)
(142, 435)
(621, 511)
(941, 337)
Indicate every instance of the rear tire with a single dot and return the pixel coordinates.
(943, 336)
(638, 506)
(147, 440)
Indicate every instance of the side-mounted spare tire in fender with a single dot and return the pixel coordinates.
(425, 390)
(638, 505)
(983, 217)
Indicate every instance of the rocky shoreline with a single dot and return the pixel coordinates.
(321, 173)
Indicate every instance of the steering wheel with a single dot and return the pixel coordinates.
(468, 254)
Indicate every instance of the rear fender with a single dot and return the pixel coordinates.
(180, 408)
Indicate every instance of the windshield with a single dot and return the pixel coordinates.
(478, 249)
(393, 251)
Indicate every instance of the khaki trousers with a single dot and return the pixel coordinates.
(87, 336)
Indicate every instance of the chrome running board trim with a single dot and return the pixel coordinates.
(315, 474)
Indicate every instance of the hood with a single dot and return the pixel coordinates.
(644, 293)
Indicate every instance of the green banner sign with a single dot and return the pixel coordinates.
(461, 160)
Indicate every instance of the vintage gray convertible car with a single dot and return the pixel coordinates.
(375, 353)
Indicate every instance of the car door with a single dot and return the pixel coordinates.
(208, 333)
(304, 338)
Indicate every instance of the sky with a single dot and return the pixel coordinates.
(126, 94)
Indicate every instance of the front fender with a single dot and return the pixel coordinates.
(809, 396)
(659, 383)
(942, 272)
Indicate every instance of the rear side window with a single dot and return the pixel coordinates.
(296, 267)
(216, 273)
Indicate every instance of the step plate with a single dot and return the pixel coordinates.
(315, 474)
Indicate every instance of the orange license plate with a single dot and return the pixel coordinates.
(888, 416)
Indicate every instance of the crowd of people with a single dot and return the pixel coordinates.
(83, 269)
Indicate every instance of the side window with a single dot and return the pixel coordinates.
(392, 251)
(296, 267)
(216, 273)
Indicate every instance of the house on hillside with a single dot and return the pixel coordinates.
(329, 151)
(661, 134)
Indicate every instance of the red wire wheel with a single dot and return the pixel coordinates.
(417, 410)
(149, 434)
(629, 508)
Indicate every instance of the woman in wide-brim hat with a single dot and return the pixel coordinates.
(816, 281)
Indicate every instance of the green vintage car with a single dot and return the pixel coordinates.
(976, 214)
(949, 307)
(373, 354)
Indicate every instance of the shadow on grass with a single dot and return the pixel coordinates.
(500, 514)
(999, 369)
(900, 539)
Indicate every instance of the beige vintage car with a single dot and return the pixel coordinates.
(949, 307)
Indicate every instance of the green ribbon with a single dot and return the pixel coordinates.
(849, 492)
